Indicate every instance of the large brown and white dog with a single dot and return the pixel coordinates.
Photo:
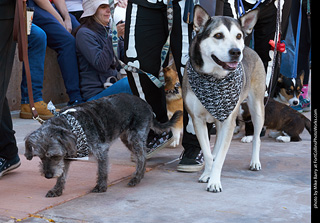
(221, 73)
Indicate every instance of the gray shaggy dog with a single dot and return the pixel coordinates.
(90, 128)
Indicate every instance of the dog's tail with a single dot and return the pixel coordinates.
(307, 124)
(158, 127)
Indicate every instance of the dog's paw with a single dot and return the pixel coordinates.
(133, 182)
(176, 137)
(255, 166)
(214, 187)
(204, 178)
(54, 193)
(283, 139)
(274, 135)
(174, 143)
(247, 139)
(99, 189)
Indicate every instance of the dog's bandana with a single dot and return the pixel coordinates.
(82, 145)
(218, 96)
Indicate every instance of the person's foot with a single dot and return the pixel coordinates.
(8, 165)
(303, 106)
(41, 108)
(157, 142)
(191, 161)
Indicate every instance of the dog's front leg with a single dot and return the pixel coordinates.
(221, 147)
(56, 191)
(102, 172)
(201, 130)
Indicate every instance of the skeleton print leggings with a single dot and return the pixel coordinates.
(146, 33)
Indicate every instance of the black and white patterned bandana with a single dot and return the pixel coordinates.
(218, 96)
(76, 128)
(82, 145)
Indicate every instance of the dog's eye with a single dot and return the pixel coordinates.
(239, 36)
(289, 92)
(218, 36)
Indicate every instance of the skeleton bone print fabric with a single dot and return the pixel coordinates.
(218, 96)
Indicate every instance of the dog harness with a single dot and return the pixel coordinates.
(218, 96)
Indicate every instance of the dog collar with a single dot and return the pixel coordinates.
(82, 145)
(218, 96)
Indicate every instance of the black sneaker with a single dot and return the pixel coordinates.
(8, 165)
(191, 161)
(157, 142)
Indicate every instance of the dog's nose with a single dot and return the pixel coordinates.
(48, 175)
(235, 52)
(295, 102)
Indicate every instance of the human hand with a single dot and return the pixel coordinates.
(68, 24)
(122, 3)
(121, 28)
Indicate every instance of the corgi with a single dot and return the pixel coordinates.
(288, 122)
(288, 90)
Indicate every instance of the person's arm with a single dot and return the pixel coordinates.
(46, 5)
(100, 57)
(62, 8)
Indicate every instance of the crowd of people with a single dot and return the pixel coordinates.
(80, 31)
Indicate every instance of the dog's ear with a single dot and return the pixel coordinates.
(29, 144)
(200, 18)
(69, 142)
(280, 78)
(249, 20)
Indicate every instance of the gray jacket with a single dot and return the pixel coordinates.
(96, 59)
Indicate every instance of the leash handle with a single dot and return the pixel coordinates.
(20, 35)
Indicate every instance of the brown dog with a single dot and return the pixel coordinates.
(174, 101)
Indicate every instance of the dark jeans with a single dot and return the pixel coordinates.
(8, 146)
(37, 44)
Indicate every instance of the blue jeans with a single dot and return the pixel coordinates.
(60, 40)
(287, 59)
(37, 44)
(121, 86)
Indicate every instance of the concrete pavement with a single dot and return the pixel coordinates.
(280, 192)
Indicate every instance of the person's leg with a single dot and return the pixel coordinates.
(304, 52)
(59, 39)
(287, 58)
(37, 43)
(145, 35)
(179, 44)
(9, 158)
(121, 86)
(264, 31)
